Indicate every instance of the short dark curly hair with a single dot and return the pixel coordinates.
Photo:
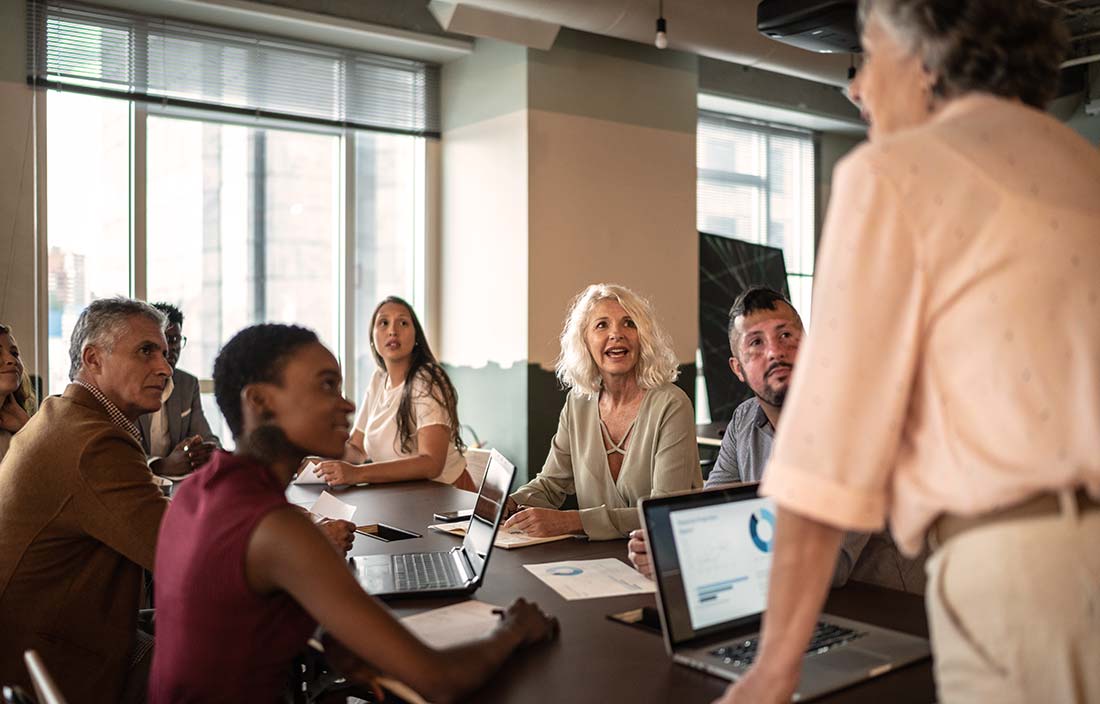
(751, 300)
(1010, 48)
(173, 313)
(254, 355)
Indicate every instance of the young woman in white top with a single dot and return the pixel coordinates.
(407, 426)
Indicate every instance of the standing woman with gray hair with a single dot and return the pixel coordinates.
(967, 234)
(626, 431)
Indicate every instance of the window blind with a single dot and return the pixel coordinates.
(109, 52)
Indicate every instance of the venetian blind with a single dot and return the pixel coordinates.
(83, 48)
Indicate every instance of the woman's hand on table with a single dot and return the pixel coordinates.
(528, 620)
(340, 533)
(544, 522)
(337, 472)
(637, 551)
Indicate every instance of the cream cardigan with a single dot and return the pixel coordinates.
(661, 457)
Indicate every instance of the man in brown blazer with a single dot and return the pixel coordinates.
(79, 512)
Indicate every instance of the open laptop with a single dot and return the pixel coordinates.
(456, 571)
(712, 557)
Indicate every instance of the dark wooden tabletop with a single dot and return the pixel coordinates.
(595, 659)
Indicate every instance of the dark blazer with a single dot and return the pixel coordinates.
(184, 409)
(79, 518)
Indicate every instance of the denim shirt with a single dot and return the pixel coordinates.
(745, 449)
(745, 446)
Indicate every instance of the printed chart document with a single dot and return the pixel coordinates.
(454, 624)
(328, 506)
(505, 538)
(442, 628)
(591, 579)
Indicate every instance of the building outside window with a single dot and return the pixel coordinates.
(756, 183)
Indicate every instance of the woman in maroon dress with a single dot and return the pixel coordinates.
(243, 577)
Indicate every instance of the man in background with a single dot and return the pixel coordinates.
(765, 332)
(177, 438)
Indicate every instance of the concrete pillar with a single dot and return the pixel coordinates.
(561, 168)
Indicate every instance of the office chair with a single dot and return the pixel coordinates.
(44, 686)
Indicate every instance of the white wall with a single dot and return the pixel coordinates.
(17, 191)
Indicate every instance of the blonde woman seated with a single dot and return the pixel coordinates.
(17, 402)
(407, 426)
(626, 431)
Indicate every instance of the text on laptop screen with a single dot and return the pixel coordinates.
(487, 510)
(725, 557)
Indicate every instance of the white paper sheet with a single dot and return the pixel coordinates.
(454, 624)
(306, 476)
(329, 506)
(442, 628)
(591, 579)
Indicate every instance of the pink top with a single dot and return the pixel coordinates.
(954, 361)
(218, 641)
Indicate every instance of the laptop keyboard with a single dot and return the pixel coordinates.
(826, 635)
(424, 570)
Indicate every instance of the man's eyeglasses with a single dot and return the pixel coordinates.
(180, 340)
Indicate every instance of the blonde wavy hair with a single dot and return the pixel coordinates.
(575, 368)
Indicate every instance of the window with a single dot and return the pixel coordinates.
(389, 216)
(242, 225)
(186, 165)
(756, 183)
(87, 212)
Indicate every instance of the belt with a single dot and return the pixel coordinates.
(947, 526)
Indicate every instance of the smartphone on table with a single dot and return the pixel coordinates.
(453, 516)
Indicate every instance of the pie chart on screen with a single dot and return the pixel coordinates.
(762, 529)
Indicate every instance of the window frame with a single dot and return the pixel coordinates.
(768, 130)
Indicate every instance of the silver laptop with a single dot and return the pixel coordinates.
(456, 571)
(712, 556)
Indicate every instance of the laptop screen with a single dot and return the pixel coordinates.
(488, 510)
(712, 557)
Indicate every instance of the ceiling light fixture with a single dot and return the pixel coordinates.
(661, 40)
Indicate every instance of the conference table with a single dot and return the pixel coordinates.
(596, 659)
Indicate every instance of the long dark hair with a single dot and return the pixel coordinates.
(439, 384)
(24, 393)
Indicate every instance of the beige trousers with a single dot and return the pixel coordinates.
(1014, 612)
